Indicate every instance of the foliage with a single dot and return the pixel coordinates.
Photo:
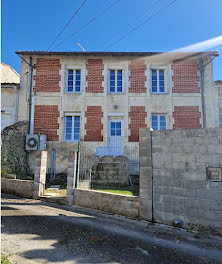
(4, 260)
(14, 155)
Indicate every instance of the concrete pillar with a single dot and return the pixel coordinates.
(40, 173)
(71, 177)
(146, 179)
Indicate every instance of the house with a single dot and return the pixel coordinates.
(103, 98)
(10, 80)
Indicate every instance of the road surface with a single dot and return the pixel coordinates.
(34, 231)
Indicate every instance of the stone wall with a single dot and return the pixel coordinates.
(107, 202)
(181, 188)
(22, 188)
(14, 156)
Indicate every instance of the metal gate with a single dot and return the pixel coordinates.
(108, 165)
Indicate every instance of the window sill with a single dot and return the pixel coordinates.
(73, 93)
(70, 141)
(115, 93)
(159, 93)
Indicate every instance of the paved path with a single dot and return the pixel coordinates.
(38, 232)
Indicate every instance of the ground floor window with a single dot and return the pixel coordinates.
(72, 128)
(158, 122)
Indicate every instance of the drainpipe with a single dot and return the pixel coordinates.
(30, 94)
(16, 103)
(202, 91)
(31, 131)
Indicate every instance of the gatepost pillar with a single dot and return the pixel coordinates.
(40, 173)
(146, 177)
(71, 177)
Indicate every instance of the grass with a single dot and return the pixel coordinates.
(4, 260)
(55, 193)
(124, 190)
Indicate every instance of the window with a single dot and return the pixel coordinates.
(158, 122)
(74, 81)
(158, 85)
(115, 128)
(72, 128)
(115, 81)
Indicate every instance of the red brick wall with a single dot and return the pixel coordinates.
(46, 121)
(186, 117)
(93, 124)
(94, 76)
(47, 75)
(137, 76)
(137, 116)
(185, 76)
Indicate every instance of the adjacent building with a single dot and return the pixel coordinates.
(10, 80)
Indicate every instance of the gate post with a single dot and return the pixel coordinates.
(146, 175)
(40, 173)
(71, 177)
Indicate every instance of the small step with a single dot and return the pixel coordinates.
(54, 187)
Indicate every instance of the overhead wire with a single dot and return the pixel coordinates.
(141, 24)
(67, 24)
(88, 23)
(142, 14)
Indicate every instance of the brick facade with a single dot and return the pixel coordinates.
(137, 117)
(93, 124)
(95, 76)
(186, 117)
(47, 75)
(137, 76)
(46, 121)
(185, 76)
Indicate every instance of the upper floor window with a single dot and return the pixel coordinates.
(115, 81)
(158, 122)
(158, 85)
(74, 81)
(72, 128)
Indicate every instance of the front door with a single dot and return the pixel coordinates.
(115, 137)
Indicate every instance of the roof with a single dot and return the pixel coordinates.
(218, 82)
(103, 53)
(8, 75)
(93, 53)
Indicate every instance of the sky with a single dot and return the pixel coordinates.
(34, 25)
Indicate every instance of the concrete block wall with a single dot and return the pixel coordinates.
(180, 187)
(22, 188)
(108, 202)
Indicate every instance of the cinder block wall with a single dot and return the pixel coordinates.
(17, 187)
(180, 187)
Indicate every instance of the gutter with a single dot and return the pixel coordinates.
(31, 123)
(202, 91)
(30, 95)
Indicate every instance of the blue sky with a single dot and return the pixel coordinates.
(34, 25)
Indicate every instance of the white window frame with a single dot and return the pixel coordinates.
(109, 127)
(72, 131)
(74, 80)
(158, 85)
(158, 120)
(82, 68)
(116, 75)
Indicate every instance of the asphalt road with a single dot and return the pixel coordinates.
(38, 232)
